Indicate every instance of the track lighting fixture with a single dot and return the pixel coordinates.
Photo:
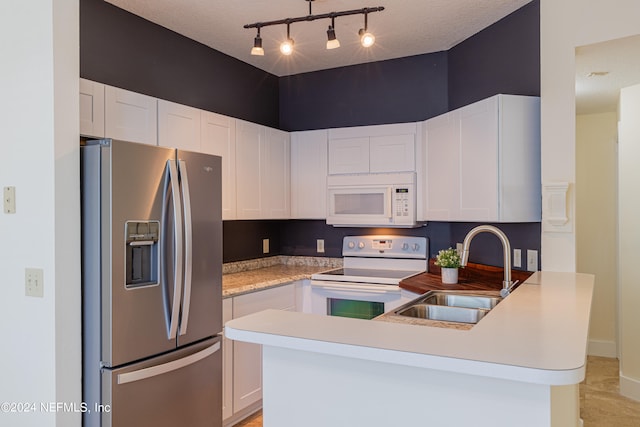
(332, 41)
(257, 45)
(366, 38)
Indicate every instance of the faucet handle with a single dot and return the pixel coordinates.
(504, 292)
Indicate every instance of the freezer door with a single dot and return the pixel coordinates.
(136, 311)
(182, 388)
(200, 179)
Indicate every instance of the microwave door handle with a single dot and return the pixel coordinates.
(389, 203)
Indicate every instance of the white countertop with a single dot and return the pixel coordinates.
(538, 334)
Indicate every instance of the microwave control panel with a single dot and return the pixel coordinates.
(401, 202)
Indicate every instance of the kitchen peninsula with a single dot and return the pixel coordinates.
(520, 365)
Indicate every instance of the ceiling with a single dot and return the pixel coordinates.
(404, 28)
(602, 69)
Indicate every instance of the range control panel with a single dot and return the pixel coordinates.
(385, 246)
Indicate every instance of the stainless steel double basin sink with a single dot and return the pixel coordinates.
(449, 306)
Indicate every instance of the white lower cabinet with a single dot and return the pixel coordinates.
(227, 362)
(242, 377)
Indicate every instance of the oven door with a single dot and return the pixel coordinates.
(356, 300)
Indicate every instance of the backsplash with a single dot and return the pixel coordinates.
(297, 238)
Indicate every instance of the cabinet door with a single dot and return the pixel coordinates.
(218, 136)
(392, 153)
(91, 109)
(227, 362)
(349, 155)
(442, 177)
(247, 357)
(178, 126)
(130, 116)
(276, 177)
(248, 170)
(479, 161)
(309, 174)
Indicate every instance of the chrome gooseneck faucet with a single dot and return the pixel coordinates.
(507, 284)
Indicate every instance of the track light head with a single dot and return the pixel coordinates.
(286, 47)
(366, 38)
(257, 45)
(332, 41)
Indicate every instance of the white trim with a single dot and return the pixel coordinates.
(602, 348)
(629, 387)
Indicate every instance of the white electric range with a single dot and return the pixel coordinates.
(368, 283)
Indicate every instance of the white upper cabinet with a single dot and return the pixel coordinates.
(442, 163)
(309, 174)
(91, 109)
(218, 136)
(372, 149)
(130, 116)
(277, 174)
(262, 172)
(178, 126)
(348, 155)
(483, 162)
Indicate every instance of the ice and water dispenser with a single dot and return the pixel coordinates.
(141, 266)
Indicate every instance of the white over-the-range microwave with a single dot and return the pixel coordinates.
(372, 200)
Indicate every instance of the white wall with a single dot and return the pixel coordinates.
(629, 253)
(596, 222)
(40, 356)
(565, 25)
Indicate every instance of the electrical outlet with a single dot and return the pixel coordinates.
(265, 246)
(34, 282)
(320, 246)
(532, 260)
(517, 258)
(459, 248)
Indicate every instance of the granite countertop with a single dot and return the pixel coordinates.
(249, 276)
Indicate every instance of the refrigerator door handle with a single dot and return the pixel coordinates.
(188, 246)
(171, 179)
(154, 371)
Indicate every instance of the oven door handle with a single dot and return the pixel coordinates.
(346, 287)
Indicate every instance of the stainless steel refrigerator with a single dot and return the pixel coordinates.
(151, 285)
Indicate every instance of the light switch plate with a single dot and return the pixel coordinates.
(265, 246)
(34, 282)
(517, 258)
(9, 200)
(320, 246)
(532, 260)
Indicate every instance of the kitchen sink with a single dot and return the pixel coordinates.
(449, 306)
(444, 313)
(460, 300)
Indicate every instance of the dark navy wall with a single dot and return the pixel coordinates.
(395, 91)
(503, 58)
(123, 50)
(126, 51)
(243, 239)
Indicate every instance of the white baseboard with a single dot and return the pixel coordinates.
(602, 348)
(630, 387)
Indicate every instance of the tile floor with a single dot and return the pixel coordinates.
(600, 402)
